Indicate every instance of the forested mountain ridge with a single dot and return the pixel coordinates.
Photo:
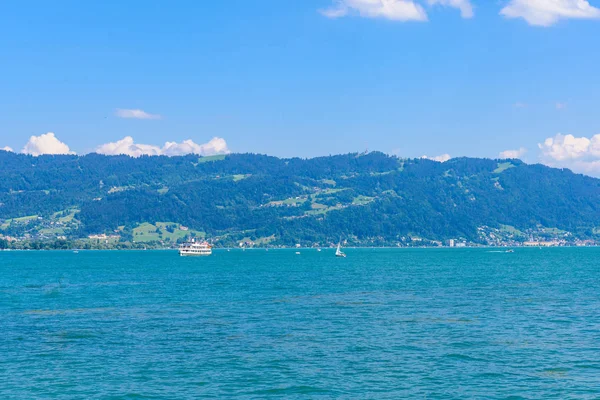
(370, 198)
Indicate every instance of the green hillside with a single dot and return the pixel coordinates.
(372, 199)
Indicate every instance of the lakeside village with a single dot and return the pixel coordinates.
(62, 231)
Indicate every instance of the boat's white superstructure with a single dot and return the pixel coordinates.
(194, 248)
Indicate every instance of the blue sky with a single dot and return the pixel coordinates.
(306, 78)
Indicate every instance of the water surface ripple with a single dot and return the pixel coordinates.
(381, 324)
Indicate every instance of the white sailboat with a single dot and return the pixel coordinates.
(339, 252)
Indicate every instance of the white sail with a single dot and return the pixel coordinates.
(339, 252)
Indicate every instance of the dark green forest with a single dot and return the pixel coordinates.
(371, 198)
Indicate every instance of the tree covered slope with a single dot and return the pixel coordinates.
(370, 197)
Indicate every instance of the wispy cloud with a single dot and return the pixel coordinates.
(465, 6)
(520, 105)
(549, 12)
(335, 12)
(45, 144)
(135, 114)
(395, 10)
(561, 106)
(127, 146)
(510, 154)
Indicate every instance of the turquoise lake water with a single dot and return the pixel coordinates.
(380, 324)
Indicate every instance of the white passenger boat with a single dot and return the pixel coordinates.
(193, 248)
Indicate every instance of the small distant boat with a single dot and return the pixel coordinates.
(297, 253)
(194, 248)
(319, 250)
(509, 251)
(339, 252)
(76, 251)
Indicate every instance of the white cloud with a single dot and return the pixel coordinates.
(135, 114)
(569, 147)
(513, 153)
(465, 6)
(128, 147)
(442, 158)
(45, 144)
(7, 149)
(214, 146)
(548, 12)
(577, 153)
(396, 10)
(520, 105)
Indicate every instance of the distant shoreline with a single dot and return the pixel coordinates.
(222, 249)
